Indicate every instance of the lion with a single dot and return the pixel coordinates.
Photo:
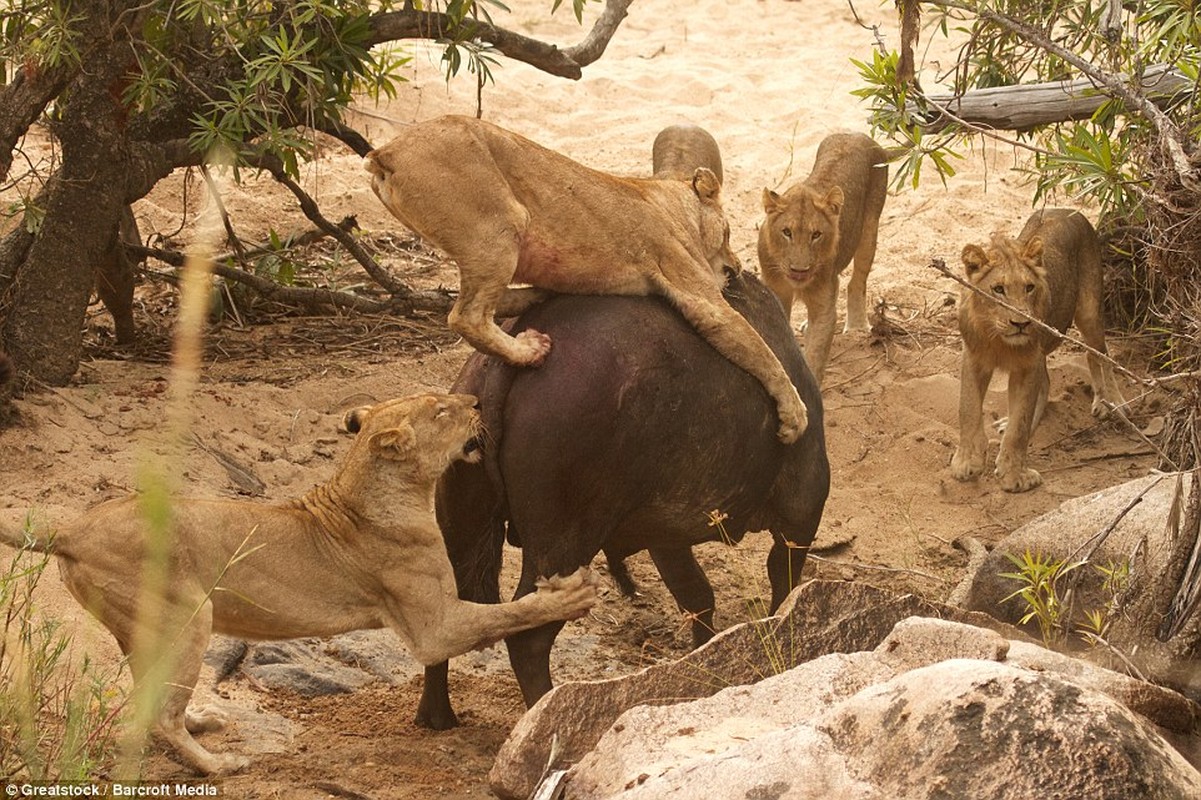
(1052, 273)
(813, 230)
(508, 210)
(679, 150)
(361, 551)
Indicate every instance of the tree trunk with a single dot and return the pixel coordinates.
(52, 279)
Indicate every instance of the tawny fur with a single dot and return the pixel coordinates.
(680, 150)
(361, 551)
(507, 210)
(817, 227)
(1051, 272)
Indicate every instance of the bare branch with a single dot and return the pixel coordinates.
(566, 63)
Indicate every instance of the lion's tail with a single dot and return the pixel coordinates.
(24, 540)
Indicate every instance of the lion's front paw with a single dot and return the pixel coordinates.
(966, 466)
(574, 594)
(794, 419)
(531, 348)
(1019, 480)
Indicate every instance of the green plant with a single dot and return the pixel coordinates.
(1039, 575)
(1048, 603)
(58, 710)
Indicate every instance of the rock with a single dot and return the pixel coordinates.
(1139, 540)
(818, 618)
(907, 720)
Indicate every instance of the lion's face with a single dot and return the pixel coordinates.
(714, 229)
(1012, 272)
(800, 234)
(434, 429)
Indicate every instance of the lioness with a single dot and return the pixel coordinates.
(816, 227)
(1051, 272)
(362, 551)
(679, 150)
(507, 210)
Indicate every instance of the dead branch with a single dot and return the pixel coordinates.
(1029, 105)
(565, 63)
(308, 297)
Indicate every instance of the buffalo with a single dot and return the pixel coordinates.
(632, 431)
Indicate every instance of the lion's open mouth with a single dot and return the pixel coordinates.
(473, 450)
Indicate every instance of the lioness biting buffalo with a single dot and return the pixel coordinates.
(361, 551)
(508, 210)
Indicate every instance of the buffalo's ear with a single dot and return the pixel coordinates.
(771, 202)
(834, 200)
(974, 259)
(1033, 250)
(352, 420)
(705, 184)
(394, 444)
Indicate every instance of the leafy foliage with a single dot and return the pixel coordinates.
(1107, 157)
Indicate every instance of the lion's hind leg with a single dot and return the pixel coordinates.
(175, 725)
(1106, 394)
(483, 291)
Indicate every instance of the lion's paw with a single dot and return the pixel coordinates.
(1020, 480)
(532, 348)
(574, 594)
(964, 467)
(793, 422)
(205, 719)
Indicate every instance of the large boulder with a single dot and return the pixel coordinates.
(1136, 515)
(818, 618)
(937, 709)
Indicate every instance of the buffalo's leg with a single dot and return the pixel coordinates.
(785, 561)
(472, 523)
(529, 655)
(686, 581)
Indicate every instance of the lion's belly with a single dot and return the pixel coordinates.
(579, 268)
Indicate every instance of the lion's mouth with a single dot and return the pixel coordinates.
(800, 275)
(473, 450)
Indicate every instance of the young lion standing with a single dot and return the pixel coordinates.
(815, 228)
(1051, 272)
(509, 211)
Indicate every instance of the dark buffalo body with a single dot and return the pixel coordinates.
(624, 440)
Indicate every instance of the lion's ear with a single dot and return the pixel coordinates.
(834, 200)
(771, 202)
(1033, 250)
(352, 420)
(974, 259)
(705, 184)
(394, 444)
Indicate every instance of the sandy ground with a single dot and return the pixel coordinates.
(769, 79)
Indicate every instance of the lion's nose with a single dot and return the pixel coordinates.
(1021, 326)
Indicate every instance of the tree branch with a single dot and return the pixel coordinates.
(309, 206)
(301, 295)
(23, 101)
(566, 63)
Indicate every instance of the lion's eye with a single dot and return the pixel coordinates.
(1029, 288)
(786, 233)
(816, 235)
(998, 290)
